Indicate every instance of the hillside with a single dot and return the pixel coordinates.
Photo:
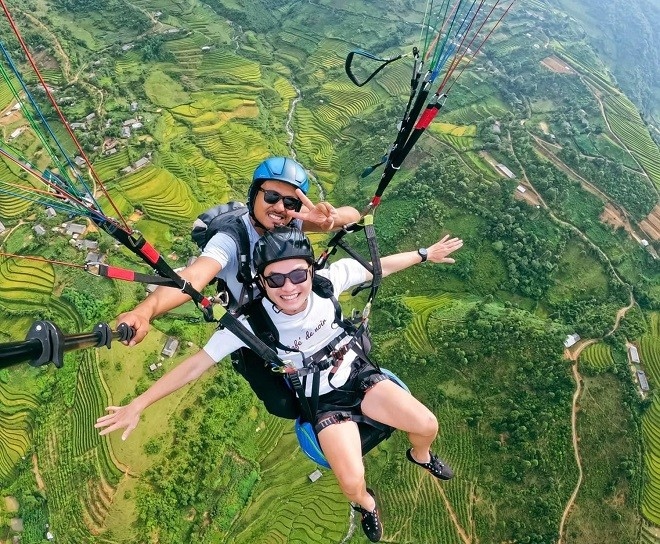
(625, 35)
(539, 160)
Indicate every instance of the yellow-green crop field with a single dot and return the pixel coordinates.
(16, 417)
(649, 354)
(163, 196)
(460, 137)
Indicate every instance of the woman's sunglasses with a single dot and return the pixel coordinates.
(290, 202)
(296, 276)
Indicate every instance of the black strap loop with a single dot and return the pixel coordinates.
(349, 62)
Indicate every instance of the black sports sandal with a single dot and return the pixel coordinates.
(435, 466)
(371, 524)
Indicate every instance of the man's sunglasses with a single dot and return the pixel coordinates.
(296, 276)
(290, 202)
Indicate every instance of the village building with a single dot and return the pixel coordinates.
(206, 48)
(643, 382)
(571, 339)
(151, 287)
(126, 170)
(504, 170)
(50, 212)
(129, 122)
(93, 257)
(80, 161)
(90, 117)
(634, 354)
(126, 132)
(521, 189)
(16, 133)
(39, 230)
(85, 245)
(74, 229)
(2, 228)
(140, 163)
(134, 106)
(170, 347)
(76, 126)
(109, 143)
(315, 475)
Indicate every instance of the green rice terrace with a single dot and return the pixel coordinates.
(524, 348)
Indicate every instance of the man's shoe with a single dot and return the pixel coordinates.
(435, 466)
(371, 524)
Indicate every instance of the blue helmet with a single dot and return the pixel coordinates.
(278, 169)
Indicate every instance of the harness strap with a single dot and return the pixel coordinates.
(338, 417)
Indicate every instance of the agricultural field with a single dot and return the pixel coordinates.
(649, 354)
(628, 126)
(17, 413)
(597, 358)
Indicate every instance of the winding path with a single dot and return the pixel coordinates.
(574, 356)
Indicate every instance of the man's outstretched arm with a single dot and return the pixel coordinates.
(164, 299)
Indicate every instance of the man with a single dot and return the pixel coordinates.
(276, 197)
(349, 385)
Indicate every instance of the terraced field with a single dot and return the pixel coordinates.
(626, 123)
(25, 282)
(649, 353)
(597, 357)
(10, 206)
(164, 197)
(16, 420)
(422, 307)
(223, 64)
(76, 468)
(459, 137)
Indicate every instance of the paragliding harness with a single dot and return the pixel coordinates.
(354, 336)
(228, 219)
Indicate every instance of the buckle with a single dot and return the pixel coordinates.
(285, 368)
(222, 297)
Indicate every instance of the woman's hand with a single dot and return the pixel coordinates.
(120, 417)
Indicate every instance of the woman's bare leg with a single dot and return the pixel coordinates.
(392, 405)
(343, 450)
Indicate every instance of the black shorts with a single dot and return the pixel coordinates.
(345, 401)
(271, 387)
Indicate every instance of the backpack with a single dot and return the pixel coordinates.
(227, 218)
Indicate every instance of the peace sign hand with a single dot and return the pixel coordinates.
(323, 214)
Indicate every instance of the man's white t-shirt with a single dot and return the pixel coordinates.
(308, 331)
(222, 248)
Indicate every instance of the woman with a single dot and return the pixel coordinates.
(305, 323)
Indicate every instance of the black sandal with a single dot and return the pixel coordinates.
(435, 466)
(371, 524)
